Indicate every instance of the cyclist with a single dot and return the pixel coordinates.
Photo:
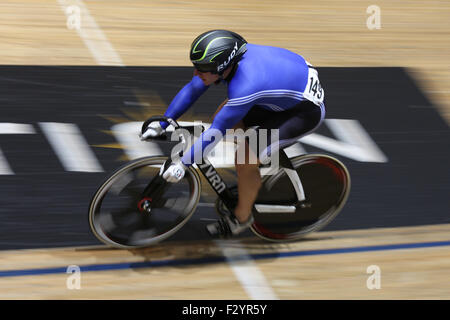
(268, 87)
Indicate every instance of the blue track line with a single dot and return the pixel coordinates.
(219, 259)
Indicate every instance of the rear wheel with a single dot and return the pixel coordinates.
(326, 184)
(121, 216)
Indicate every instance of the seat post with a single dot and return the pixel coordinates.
(285, 162)
(287, 166)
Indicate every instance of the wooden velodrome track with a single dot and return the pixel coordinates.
(413, 34)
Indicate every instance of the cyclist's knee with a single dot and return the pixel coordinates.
(245, 159)
(249, 173)
(240, 125)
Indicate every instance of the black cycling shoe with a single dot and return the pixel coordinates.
(227, 227)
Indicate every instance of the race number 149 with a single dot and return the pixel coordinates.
(314, 91)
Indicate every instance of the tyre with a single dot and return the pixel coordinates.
(326, 184)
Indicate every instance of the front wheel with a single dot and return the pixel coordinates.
(122, 216)
(326, 185)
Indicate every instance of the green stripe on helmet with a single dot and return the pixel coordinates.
(193, 50)
(215, 56)
(206, 49)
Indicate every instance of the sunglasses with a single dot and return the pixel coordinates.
(203, 68)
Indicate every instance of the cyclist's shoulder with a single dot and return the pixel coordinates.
(243, 83)
(270, 53)
(195, 86)
(248, 78)
(196, 82)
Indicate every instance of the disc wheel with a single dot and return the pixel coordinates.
(121, 216)
(326, 184)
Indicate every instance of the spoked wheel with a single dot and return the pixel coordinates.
(120, 215)
(326, 184)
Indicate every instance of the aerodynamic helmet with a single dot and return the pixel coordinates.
(215, 50)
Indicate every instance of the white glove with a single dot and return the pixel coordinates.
(174, 173)
(153, 130)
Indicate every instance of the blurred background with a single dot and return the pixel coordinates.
(72, 71)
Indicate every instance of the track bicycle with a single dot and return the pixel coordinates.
(135, 207)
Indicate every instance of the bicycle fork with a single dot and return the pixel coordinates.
(152, 194)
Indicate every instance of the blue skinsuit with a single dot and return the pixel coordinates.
(271, 78)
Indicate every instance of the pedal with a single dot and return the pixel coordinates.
(304, 204)
(212, 229)
(219, 229)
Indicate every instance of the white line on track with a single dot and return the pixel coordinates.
(246, 271)
(92, 36)
(5, 169)
(12, 128)
(70, 146)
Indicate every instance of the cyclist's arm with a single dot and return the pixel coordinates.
(184, 99)
(227, 117)
(219, 108)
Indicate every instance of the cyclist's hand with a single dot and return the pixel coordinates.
(153, 130)
(174, 173)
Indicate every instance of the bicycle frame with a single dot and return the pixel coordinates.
(222, 191)
(217, 183)
(292, 174)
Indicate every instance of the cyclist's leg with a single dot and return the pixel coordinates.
(219, 108)
(292, 125)
(249, 183)
(249, 179)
